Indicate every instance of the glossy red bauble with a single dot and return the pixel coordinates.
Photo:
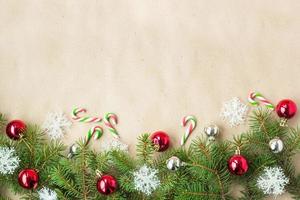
(286, 108)
(107, 184)
(28, 178)
(161, 140)
(238, 165)
(15, 129)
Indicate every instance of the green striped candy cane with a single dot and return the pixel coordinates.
(110, 120)
(96, 131)
(256, 95)
(190, 128)
(86, 119)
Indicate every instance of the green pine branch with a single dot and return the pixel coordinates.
(203, 176)
(62, 177)
(145, 148)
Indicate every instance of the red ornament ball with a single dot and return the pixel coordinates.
(107, 184)
(286, 108)
(15, 129)
(238, 165)
(161, 140)
(28, 178)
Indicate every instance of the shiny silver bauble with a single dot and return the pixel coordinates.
(212, 131)
(276, 145)
(72, 150)
(174, 163)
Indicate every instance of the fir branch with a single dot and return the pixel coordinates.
(251, 192)
(261, 118)
(122, 161)
(250, 139)
(211, 157)
(62, 178)
(293, 142)
(205, 175)
(264, 126)
(145, 148)
(238, 141)
(168, 183)
(293, 187)
(82, 157)
(126, 183)
(201, 147)
(61, 195)
(31, 141)
(98, 161)
(29, 196)
(49, 154)
(4, 198)
(3, 121)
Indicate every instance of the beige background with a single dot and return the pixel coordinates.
(151, 62)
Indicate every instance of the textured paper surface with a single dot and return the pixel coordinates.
(151, 62)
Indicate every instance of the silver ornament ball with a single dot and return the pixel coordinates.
(72, 150)
(212, 131)
(174, 163)
(276, 145)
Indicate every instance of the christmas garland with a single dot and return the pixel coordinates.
(259, 160)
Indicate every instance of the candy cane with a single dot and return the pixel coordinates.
(190, 129)
(110, 120)
(260, 97)
(75, 116)
(96, 131)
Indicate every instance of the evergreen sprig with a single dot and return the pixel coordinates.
(145, 148)
(203, 176)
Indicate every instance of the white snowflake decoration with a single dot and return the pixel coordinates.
(272, 181)
(47, 194)
(56, 124)
(146, 179)
(234, 111)
(115, 145)
(9, 162)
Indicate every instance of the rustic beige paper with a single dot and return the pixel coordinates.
(151, 62)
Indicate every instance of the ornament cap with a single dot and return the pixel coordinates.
(238, 151)
(98, 173)
(283, 122)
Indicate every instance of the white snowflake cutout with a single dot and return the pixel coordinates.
(56, 124)
(234, 112)
(146, 180)
(115, 144)
(47, 194)
(272, 181)
(9, 162)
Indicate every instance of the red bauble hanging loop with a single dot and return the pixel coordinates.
(286, 108)
(161, 140)
(15, 129)
(28, 178)
(238, 164)
(107, 184)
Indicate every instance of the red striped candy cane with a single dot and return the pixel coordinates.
(190, 129)
(256, 95)
(86, 119)
(96, 131)
(110, 120)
